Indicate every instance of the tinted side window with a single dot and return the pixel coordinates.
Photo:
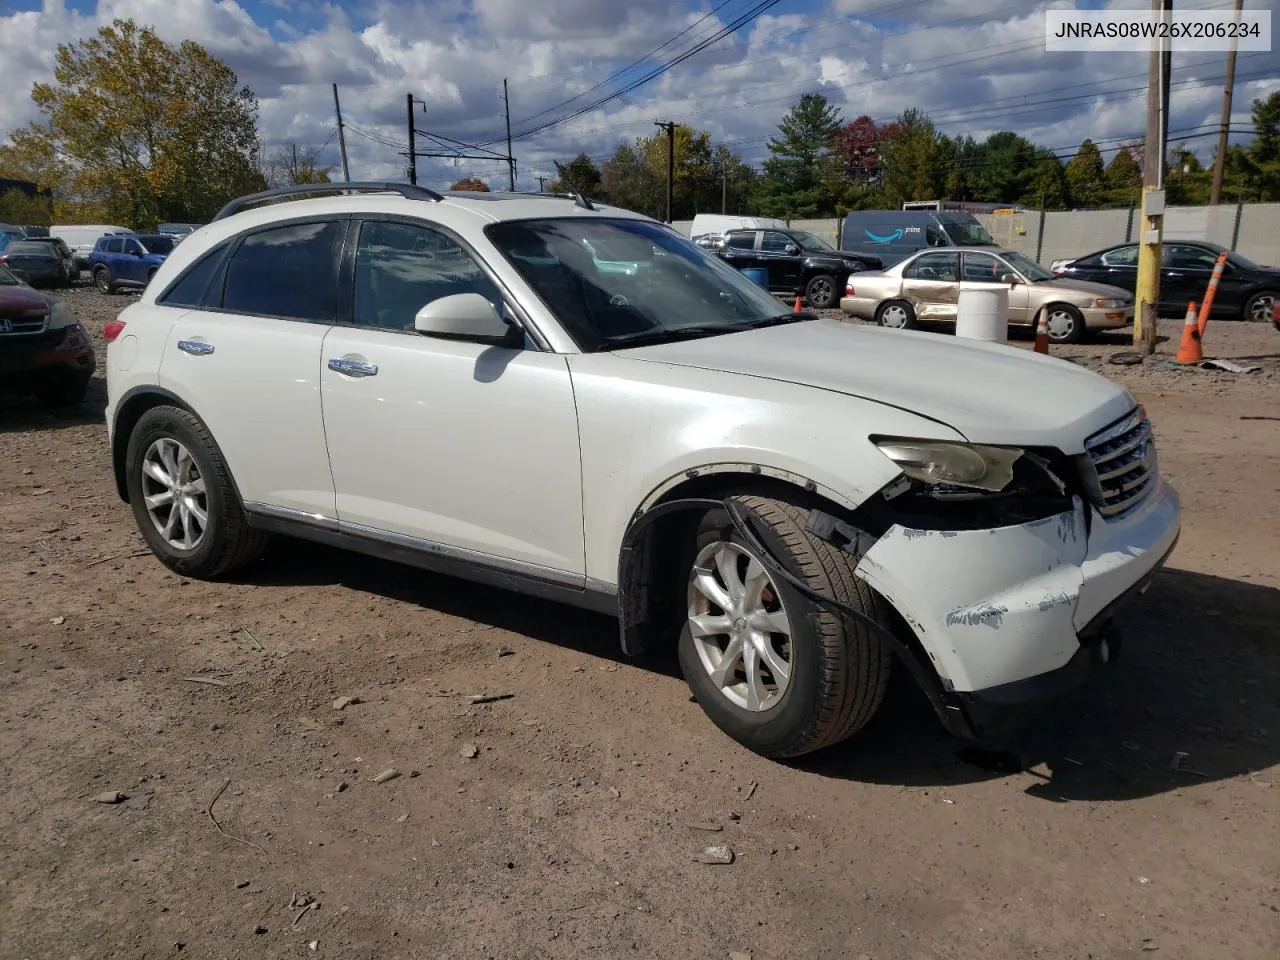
(114, 246)
(289, 271)
(742, 241)
(192, 288)
(934, 266)
(1182, 257)
(401, 267)
(133, 246)
(934, 237)
(775, 242)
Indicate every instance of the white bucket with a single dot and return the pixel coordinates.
(983, 314)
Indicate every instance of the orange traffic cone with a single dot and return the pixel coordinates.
(1042, 333)
(799, 304)
(1189, 350)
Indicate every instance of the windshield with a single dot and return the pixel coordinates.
(967, 233)
(1027, 267)
(809, 241)
(1244, 263)
(161, 245)
(676, 290)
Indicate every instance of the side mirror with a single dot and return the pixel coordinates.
(466, 316)
(791, 248)
(1010, 278)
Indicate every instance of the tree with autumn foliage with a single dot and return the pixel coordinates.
(140, 131)
(474, 184)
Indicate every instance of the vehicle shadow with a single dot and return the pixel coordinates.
(1197, 676)
(20, 414)
(1191, 699)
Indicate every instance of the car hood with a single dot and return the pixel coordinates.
(1089, 287)
(23, 302)
(990, 393)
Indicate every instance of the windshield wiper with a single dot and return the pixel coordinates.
(669, 335)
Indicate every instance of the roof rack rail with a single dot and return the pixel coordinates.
(579, 199)
(408, 191)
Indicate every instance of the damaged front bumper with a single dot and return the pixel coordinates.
(1013, 616)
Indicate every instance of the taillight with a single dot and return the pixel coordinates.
(848, 289)
(112, 329)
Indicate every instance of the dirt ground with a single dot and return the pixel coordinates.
(571, 831)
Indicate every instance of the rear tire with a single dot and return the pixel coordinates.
(822, 292)
(837, 669)
(896, 315)
(102, 279)
(172, 453)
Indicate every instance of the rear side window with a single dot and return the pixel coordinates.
(193, 288)
(289, 272)
(934, 266)
(1123, 257)
(742, 241)
(114, 246)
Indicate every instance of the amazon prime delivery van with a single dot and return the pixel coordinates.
(892, 235)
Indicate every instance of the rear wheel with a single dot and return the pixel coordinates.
(821, 292)
(896, 315)
(777, 672)
(183, 498)
(102, 279)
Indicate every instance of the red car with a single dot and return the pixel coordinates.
(43, 348)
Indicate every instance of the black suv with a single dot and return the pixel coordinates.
(797, 262)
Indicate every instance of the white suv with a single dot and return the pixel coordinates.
(571, 400)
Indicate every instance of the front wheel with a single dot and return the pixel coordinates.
(1065, 323)
(821, 292)
(1260, 307)
(777, 672)
(183, 498)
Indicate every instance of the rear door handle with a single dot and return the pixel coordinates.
(197, 348)
(353, 368)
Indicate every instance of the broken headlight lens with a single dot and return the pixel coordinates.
(942, 465)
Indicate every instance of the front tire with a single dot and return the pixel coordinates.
(1258, 307)
(183, 498)
(102, 279)
(1065, 323)
(774, 670)
(821, 292)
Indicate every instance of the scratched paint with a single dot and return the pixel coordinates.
(1060, 599)
(981, 614)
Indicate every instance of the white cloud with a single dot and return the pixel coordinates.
(976, 66)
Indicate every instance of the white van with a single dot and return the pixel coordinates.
(82, 237)
(716, 224)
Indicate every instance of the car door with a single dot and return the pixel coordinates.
(464, 448)
(1185, 272)
(982, 271)
(740, 249)
(132, 266)
(111, 254)
(780, 255)
(1117, 267)
(244, 353)
(931, 281)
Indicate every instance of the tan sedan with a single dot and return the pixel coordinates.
(926, 287)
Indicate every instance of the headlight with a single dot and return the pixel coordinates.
(940, 463)
(1113, 303)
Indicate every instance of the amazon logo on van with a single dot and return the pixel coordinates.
(892, 237)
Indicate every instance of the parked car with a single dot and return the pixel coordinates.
(44, 261)
(1246, 291)
(893, 235)
(797, 261)
(710, 225)
(43, 348)
(787, 501)
(927, 286)
(82, 238)
(128, 261)
(178, 229)
(9, 233)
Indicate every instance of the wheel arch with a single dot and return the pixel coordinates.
(128, 412)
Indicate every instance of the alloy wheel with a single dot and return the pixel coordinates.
(739, 627)
(174, 494)
(1260, 308)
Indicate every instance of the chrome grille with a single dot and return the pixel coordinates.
(28, 324)
(1121, 464)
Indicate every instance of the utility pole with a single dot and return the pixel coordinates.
(670, 127)
(413, 155)
(1220, 161)
(541, 182)
(342, 137)
(1147, 298)
(511, 163)
(724, 193)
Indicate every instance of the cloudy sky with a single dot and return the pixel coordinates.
(976, 66)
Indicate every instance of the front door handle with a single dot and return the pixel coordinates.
(353, 368)
(197, 348)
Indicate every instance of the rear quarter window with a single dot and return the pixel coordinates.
(200, 285)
